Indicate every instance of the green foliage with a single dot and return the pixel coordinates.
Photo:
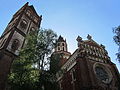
(117, 40)
(48, 78)
(54, 63)
(23, 75)
(29, 68)
(45, 44)
(48, 81)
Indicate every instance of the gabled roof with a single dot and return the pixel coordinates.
(32, 7)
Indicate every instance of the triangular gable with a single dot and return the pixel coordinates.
(32, 7)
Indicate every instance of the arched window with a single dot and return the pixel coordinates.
(63, 48)
(32, 30)
(73, 74)
(15, 44)
(23, 24)
(58, 48)
(63, 44)
(58, 44)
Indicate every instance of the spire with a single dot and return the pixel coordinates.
(61, 44)
(60, 39)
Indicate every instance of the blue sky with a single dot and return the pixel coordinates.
(71, 18)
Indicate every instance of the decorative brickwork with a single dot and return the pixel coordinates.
(88, 68)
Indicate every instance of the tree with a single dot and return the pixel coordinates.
(54, 68)
(45, 45)
(116, 38)
(36, 52)
(54, 63)
(23, 75)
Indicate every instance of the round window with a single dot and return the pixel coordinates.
(103, 73)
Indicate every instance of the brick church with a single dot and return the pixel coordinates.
(88, 68)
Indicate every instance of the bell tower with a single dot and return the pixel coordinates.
(24, 21)
(61, 45)
(61, 48)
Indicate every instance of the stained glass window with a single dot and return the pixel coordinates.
(101, 73)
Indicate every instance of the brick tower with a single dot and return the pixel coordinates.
(61, 48)
(12, 40)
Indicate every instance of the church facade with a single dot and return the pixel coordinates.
(88, 68)
(24, 21)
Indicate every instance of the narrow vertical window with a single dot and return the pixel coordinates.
(58, 44)
(63, 49)
(58, 48)
(63, 44)
(15, 44)
(60, 85)
(73, 75)
(23, 24)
